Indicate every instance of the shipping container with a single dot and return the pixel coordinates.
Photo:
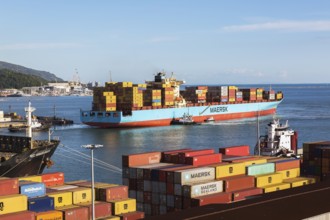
(137, 172)
(102, 209)
(226, 170)
(260, 169)
(236, 183)
(203, 188)
(123, 206)
(268, 179)
(52, 179)
(49, 215)
(31, 178)
(61, 198)
(74, 212)
(23, 215)
(141, 159)
(182, 155)
(112, 193)
(276, 187)
(242, 150)
(63, 187)
(292, 173)
(299, 181)
(203, 160)
(218, 198)
(8, 186)
(41, 204)
(194, 175)
(32, 189)
(132, 215)
(81, 195)
(286, 164)
(245, 193)
(13, 203)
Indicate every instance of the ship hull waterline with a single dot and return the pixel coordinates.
(164, 117)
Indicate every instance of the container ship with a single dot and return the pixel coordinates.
(23, 155)
(160, 102)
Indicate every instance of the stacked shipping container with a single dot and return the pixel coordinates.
(167, 181)
(47, 196)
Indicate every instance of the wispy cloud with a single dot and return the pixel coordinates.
(303, 26)
(163, 39)
(245, 72)
(38, 46)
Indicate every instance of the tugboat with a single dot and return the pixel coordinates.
(23, 156)
(186, 119)
(280, 141)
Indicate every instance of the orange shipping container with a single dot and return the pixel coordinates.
(141, 159)
(112, 193)
(24, 215)
(53, 179)
(74, 212)
(49, 215)
(8, 186)
(102, 209)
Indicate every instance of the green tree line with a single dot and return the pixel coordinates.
(10, 79)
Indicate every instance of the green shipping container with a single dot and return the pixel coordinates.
(260, 169)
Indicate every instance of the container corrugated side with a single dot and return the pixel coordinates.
(218, 198)
(53, 179)
(268, 179)
(298, 181)
(235, 183)
(231, 169)
(203, 160)
(41, 204)
(260, 169)
(244, 193)
(137, 172)
(242, 150)
(194, 175)
(61, 198)
(201, 189)
(8, 186)
(23, 215)
(141, 159)
(74, 212)
(182, 155)
(49, 215)
(123, 206)
(112, 218)
(13, 203)
(102, 209)
(132, 215)
(287, 164)
(292, 173)
(167, 155)
(112, 193)
(63, 187)
(30, 178)
(276, 187)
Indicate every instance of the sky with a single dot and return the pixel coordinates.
(201, 42)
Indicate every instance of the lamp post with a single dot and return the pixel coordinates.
(92, 147)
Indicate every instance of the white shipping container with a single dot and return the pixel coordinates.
(271, 96)
(199, 92)
(224, 90)
(202, 189)
(194, 175)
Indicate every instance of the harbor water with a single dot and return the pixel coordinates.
(305, 106)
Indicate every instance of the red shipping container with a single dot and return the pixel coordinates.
(8, 186)
(242, 150)
(217, 198)
(102, 209)
(287, 164)
(236, 183)
(26, 215)
(141, 159)
(74, 212)
(184, 155)
(242, 194)
(203, 160)
(112, 193)
(132, 215)
(52, 179)
(166, 155)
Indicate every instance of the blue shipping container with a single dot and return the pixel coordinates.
(41, 204)
(32, 189)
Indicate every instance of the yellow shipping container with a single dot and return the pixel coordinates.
(61, 198)
(111, 218)
(276, 187)
(227, 170)
(299, 181)
(49, 215)
(107, 93)
(81, 195)
(13, 203)
(232, 87)
(292, 173)
(110, 109)
(279, 96)
(110, 99)
(123, 206)
(31, 178)
(256, 161)
(268, 179)
(232, 99)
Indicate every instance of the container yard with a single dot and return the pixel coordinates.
(160, 102)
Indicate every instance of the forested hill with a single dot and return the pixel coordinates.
(24, 70)
(10, 79)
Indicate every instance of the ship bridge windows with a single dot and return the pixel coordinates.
(100, 114)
